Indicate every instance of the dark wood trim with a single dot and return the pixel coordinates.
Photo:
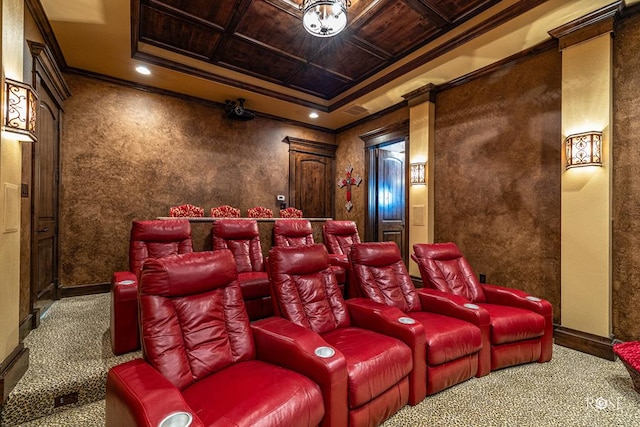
(76, 291)
(12, 369)
(193, 71)
(387, 134)
(44, 26)
(596, 17)
(157, 91)
(373, 116)
(426, 93)
(45, 65)
(26, 326)
(474, 32)
(588, 26)
(584, 342)
(311, 147)
(512, 60)
(628, 12)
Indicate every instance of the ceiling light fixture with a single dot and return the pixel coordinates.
(324, 18)
(313, 115)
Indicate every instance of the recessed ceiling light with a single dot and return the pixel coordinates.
(143, 70)
(313, 115)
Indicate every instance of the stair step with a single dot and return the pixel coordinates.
(69, 357)
(89, 415)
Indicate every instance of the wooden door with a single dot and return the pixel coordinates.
(311, 177)
(391, 199)
(313, 185)
(44, 255)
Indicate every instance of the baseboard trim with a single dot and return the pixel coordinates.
(76, 291)
(12, 369)
(585, 342)
(25, 327)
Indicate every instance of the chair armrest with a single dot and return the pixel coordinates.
(139, 395)
(124, 278)
(283, 343)
(446, 304)
(520, 299)
(516, 298)
(385, 320)
(439, 302)
(367, 314)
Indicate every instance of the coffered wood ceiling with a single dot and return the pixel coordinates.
(265, 38)
(258, 49)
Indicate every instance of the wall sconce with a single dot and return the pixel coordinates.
(21, 105)
(418, 173)
(584, 149)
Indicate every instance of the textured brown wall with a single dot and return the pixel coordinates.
(351, 152)
(497, 174)
(626, 181)
(129, 154)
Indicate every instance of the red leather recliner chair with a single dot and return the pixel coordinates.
(338, 237)
(242, 237)
(298, 232)
(452, 345)
(200, 355)
(378, 349)
(521, 325)
(149, 239)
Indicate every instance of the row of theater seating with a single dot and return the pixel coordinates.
(159, 238)
(322, 359)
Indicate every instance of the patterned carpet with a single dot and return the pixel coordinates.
(70, 352)
(574, 389)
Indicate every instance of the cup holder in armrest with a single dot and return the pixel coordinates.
(406, 320)
(177, 419)
(324, 352)
(531, 298)
(472, 306)
(126, 282)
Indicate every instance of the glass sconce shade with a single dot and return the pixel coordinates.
(417, 173)
(21, 105)
(584, 149)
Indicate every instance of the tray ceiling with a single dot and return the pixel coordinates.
(258, 49)
(265, 38)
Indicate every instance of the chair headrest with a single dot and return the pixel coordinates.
(439, 251)
(298, 260)
(292, 227)
(188, 274)
(170, 230)
(341, 227)
(235, 228)
(375, 254)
